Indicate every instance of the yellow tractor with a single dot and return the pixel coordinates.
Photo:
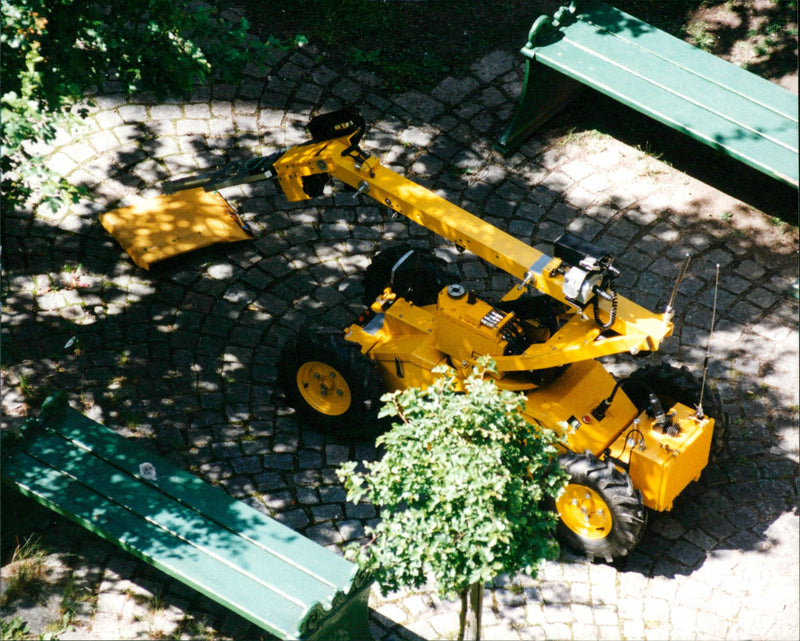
(629, 445)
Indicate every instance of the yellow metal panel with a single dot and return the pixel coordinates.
(407, 361)
(579, 339)
(402, 345)
(403, 317)
(165, 226)
(573, 396)
(668, 464)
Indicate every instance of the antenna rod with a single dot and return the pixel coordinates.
(699, 413)
(670, 309)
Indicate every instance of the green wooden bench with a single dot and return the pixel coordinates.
(275, 578)
(596, 45)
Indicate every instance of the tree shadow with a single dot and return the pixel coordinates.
(185, 357)
(595, 112)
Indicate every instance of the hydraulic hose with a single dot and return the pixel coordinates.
(612, 317)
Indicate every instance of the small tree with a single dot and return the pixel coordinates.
(462, 491)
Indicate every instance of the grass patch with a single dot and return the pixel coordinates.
(194, 629)
(27, 572)
(73, 599)
(30, 392)
(698, 34)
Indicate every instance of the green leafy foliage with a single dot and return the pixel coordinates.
(55, 51)
(16, 628)
(462, 488)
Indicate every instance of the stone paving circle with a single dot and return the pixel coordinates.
(183, 358)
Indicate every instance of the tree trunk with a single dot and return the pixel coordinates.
(471, 610)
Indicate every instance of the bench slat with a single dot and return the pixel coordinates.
(714, 96)
(214, 502)
(671, 109)
(692, 59)
(151, 543)
(189, 526)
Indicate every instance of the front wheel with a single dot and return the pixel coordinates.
(331, 384)
(600, 512)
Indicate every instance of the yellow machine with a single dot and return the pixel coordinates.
(629, 444)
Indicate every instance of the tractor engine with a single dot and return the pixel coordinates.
(467, 327)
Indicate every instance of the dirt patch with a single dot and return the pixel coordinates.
(758, 35)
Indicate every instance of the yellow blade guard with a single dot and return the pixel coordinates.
(165, 226)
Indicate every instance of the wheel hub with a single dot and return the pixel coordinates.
(323, 388)
(585, 512)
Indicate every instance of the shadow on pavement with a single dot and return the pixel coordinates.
(185, 356)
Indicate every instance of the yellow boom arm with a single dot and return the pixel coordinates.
(575, 277)
(634, 328)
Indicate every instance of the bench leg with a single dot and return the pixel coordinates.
(348, 622)
(544, 93)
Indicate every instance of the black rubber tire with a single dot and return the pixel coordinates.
(625, 505)
(420, 283)
(360, 419)
(672, 384)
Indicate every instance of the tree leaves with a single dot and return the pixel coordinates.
(460, 488)
(54, 51)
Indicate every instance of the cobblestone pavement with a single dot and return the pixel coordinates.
(184, 358)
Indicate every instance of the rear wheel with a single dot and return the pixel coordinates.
(600, 512)
(418, 277)
(331, 384)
